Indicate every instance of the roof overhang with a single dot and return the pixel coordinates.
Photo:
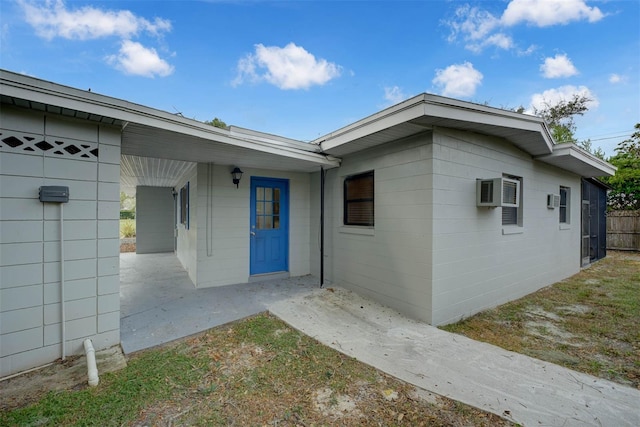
(425, 112)
(148, 132)
(574, 159)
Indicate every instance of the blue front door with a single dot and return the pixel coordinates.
(269, 225)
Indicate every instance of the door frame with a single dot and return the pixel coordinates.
(284, 221)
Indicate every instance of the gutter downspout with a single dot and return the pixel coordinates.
(322, 174)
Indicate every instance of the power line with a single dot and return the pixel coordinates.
(616, 134)
(611, 137)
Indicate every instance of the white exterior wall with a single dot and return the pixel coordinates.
(475, 265)
(154, 219)
(30, 319)
(390, 262)
(216, 248)
(187, 239)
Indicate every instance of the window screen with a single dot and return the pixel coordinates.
(184, 205)
(358, 199)
(512, 215)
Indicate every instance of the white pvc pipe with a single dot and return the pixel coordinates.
(62, 321)
(92, 368)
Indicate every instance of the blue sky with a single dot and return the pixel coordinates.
(301, 69)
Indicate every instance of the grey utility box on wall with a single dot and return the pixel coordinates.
(54, 194)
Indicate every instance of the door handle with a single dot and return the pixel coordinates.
(253, 233)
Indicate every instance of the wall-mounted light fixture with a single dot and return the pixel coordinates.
(237, 174)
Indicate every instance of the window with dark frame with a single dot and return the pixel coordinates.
(358, 199)
(565, 194)
(184, 205)
(512, 215)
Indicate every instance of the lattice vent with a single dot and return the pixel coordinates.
(31, 144)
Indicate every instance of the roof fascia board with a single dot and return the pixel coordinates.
(272, 139)
(441, 107)
(568, 150)
(35, 90)
(437, 107)
(401, 113)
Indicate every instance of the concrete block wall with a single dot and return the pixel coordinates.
(477, 262)
(187, 237)
(154, 219)
(390, 262)
(30, 297)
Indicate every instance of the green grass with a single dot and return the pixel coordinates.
(600, 309)
(152, 376)
(255, 372)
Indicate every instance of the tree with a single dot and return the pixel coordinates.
(560, 117)
(631, 145)
(216, 122)
(625, 193)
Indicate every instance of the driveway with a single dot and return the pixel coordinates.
(159, 303)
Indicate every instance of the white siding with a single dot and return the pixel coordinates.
(475, 265)
(154, 220)
(30, 332)
(390, 262)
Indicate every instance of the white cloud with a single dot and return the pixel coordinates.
(458, 80)
(52, 19)
(289, 67)
(394, 95)
(558, 66)
(477, 28)
(135, 59)
(544, 13)
(480, 29)
(617, 78)
(550, 97)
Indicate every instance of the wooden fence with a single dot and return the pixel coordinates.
(623, 230)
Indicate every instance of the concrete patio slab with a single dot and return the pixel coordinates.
(159, 303)
(525, 390)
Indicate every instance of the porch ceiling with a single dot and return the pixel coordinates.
(152, 172)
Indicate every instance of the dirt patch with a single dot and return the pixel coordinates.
(29, 387)
(128, 245)
(335, 405)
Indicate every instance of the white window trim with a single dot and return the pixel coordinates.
(357, 229)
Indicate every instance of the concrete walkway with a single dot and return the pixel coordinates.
(159, 303)
(525, 390)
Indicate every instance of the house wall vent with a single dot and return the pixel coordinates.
(498, 192)
(553, 201)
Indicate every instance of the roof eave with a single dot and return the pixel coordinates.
(433, 109)
(574, 159)
(48, 93)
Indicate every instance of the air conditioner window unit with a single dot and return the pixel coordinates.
(553, 201)
(498, 192)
